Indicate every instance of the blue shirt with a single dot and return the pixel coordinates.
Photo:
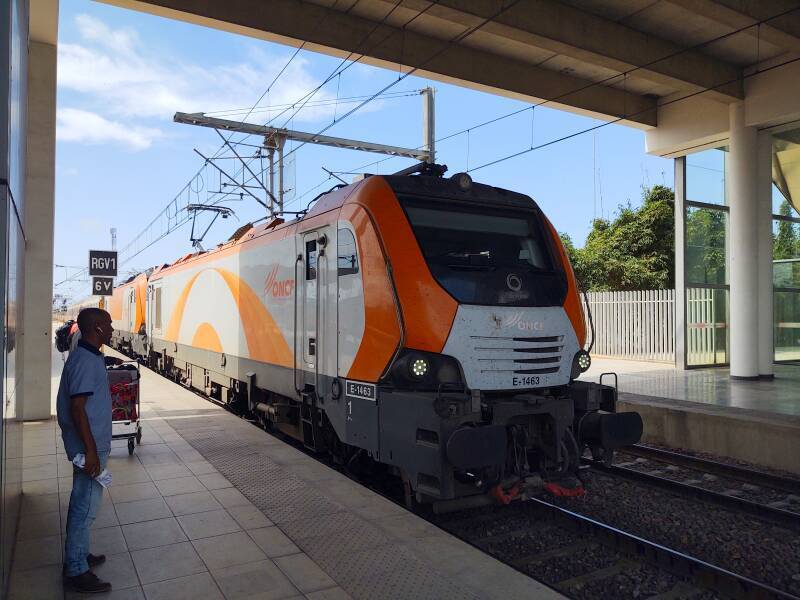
(85, 375)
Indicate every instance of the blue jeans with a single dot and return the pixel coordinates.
(83, 505)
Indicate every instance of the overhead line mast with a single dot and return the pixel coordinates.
(275, 139)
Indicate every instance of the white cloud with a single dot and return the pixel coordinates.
(121, 77)
(76, 125)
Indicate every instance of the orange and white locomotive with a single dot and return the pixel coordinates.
(430, 324)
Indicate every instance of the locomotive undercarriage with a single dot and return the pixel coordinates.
(453, 446)
(446, 445)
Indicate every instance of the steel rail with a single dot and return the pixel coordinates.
(743, 474)
(778, 516)
(698, 571)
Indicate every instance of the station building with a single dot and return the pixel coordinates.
(715, 84)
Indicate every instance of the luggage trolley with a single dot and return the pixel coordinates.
(123, 381)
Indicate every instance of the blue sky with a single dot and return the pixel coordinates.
(120, 158)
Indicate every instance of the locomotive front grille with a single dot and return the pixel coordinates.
(518, 355)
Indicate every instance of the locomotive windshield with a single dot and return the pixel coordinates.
(485, 256)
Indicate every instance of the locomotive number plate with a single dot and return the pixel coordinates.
(357, 389)
(528, 380)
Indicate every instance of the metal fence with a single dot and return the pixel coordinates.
(634, 325)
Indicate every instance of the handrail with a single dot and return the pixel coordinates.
(317, 345)
(297, 261)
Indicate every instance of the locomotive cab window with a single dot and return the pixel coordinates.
(487, 256)
(347, 257)
(311, 260)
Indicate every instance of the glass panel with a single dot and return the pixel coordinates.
(787, 325)
(311, 260)
(486, 256)
(706, 326)
(780, 206)
(705, 176)
(786, 239)
(706, 240)
(347, 257)
(786, 165)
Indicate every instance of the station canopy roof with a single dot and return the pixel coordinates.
(606, 58)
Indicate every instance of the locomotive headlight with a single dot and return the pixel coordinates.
(580, 363)
(424, 371)
(419, 368)
(463, 180)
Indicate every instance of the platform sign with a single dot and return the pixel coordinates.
(102, 286)
(102, 263)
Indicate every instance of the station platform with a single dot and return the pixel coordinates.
(757, 421)
(210, 507)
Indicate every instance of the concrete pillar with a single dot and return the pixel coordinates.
(680, 263)
(37, 339)
(742, 177)
(766, 345)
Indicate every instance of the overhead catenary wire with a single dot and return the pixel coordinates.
(693, 94)
(637, 113)
(304, 99)
(461, 36)
(312, 104)
(216, 154)
(756, 73)
(344, 65)
(586, 86)
(341, 67)
(616, 76)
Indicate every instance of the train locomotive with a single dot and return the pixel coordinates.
(427, 324)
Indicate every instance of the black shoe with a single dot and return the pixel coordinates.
(88, 583)
(95, 561)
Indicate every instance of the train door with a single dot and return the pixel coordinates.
(131, 321)
(153, 312)
(309, 309)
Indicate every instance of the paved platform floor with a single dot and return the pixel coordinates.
(706, 411)
(212, 507)
(713, 387)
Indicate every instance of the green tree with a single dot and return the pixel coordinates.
(787, 243)
(705, 246)
(574, 255)
(635, 251)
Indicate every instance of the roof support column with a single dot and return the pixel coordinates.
(743, 201)
(766, 346)
(37, 302)
(680, 264)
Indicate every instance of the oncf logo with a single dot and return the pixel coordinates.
(518, 321)
(277, 288)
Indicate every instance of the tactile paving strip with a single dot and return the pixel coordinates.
(355, 553)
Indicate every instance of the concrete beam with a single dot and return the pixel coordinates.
(40, 166)
(783, 32)
(44, 21)
(690, 125)
(568, 31)
(337, 33)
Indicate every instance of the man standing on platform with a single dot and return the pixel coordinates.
(84, 415)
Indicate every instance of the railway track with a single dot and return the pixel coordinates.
(738, 473)
(763, 495)
(584, 558)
